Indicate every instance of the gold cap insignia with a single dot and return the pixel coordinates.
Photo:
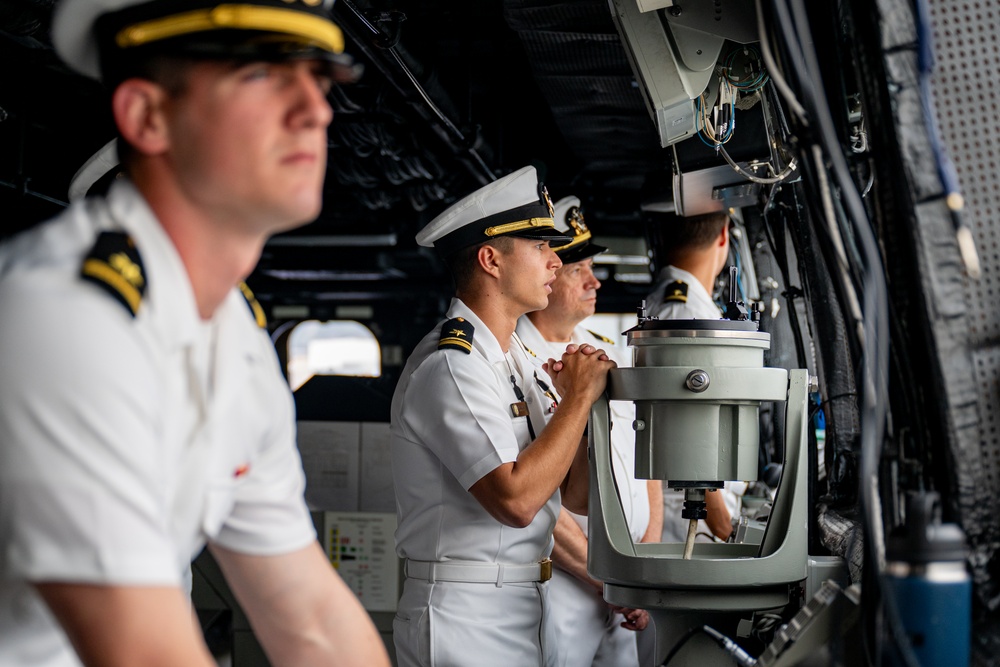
(575, 219)
(544, 191)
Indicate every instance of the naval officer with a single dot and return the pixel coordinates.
(143, 413)
(482, 450)
(692, 252)
(591, 631)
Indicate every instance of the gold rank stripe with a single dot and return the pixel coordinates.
(518, 226)
(454, 340)
(103, 272)
(234, 16)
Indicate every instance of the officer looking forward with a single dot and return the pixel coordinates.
(591, 632)
(481, 452)
(143, 412)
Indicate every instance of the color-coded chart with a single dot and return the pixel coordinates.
(360, 546)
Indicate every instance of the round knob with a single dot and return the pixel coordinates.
(639, 425)
(697, 381)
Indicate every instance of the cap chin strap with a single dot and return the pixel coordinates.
(510, 227)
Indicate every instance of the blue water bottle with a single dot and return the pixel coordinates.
(927, 588)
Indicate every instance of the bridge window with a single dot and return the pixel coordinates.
(338, 347)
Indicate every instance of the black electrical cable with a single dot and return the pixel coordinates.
(791, 293)
(777, 79)
(794, 50)
(735, 651)
(843, 274)
(843, 249)
(765, 626)
(781, 259)
(837, 350)
(681, 642)
(874, 307)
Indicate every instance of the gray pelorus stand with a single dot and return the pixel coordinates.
(697, 386)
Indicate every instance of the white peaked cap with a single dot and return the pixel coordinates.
(569, 220)
(514, 205)
(562, 208)
(254, 29)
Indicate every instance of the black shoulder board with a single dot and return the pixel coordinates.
(600, 337)
(456, 334)
(114, 265)
(255, 307)
(676, 291)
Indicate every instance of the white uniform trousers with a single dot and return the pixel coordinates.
(450, 624)
(589, 632)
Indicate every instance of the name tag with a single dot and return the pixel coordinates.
(519, 409)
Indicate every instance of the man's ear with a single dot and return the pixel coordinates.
(724, 235)
(137, 105)
(489, 259)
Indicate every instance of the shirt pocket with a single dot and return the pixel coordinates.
(522, 431)
(219, 502)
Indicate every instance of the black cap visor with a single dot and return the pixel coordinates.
(580, 252)
(249, 30)
(555, 238)
(239, 46)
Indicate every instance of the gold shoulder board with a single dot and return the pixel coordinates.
(114, 265)
(676, 291)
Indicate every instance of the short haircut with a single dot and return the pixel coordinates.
(673, 236)
(169, 72)
(462, 263)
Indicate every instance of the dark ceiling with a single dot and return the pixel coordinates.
(454, 94)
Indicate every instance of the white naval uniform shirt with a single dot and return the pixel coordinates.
(699, 306)
(589, 633)
(128, 443)
(636, 502)
(451, 424)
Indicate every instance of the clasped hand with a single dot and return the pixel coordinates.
(582, 369)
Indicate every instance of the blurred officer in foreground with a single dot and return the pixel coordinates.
(591, 632)
(143, 413)
(482, 452)
(692, 252)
